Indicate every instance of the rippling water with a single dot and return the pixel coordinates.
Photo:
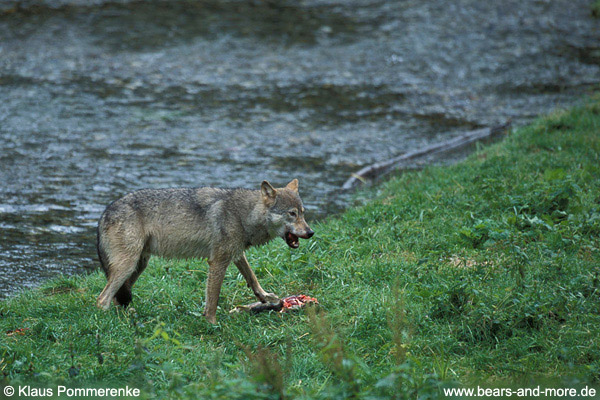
(99, 100)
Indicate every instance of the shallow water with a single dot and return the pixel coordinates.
(97, 101)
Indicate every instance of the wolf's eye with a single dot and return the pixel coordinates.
(292, 213)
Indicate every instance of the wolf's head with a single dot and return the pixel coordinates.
(285, 213)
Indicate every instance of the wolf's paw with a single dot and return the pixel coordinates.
(270, 298)
(102, 304)
(212, 319)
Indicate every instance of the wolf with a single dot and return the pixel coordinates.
(210, 223)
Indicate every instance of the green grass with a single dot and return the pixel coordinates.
(484, 272)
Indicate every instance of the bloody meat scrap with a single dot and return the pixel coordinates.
(294, 302)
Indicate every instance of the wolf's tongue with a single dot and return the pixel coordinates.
(292, 240)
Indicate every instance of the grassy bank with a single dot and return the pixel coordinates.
(486, 271)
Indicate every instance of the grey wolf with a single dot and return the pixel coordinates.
(211, 223)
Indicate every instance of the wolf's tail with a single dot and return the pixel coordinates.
(102, 256)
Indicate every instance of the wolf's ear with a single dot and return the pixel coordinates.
(268, 192)
(293, 185)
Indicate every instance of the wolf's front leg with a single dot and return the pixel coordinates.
(216, 273)
(248, 274)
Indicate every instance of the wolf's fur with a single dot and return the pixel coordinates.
(216, 224)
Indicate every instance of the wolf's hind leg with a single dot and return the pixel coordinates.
(141, 266)
(121, 268)
(252, 281)
(123, 295)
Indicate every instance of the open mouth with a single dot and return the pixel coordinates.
(291, 240)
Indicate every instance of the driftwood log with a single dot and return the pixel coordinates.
(379, 169)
